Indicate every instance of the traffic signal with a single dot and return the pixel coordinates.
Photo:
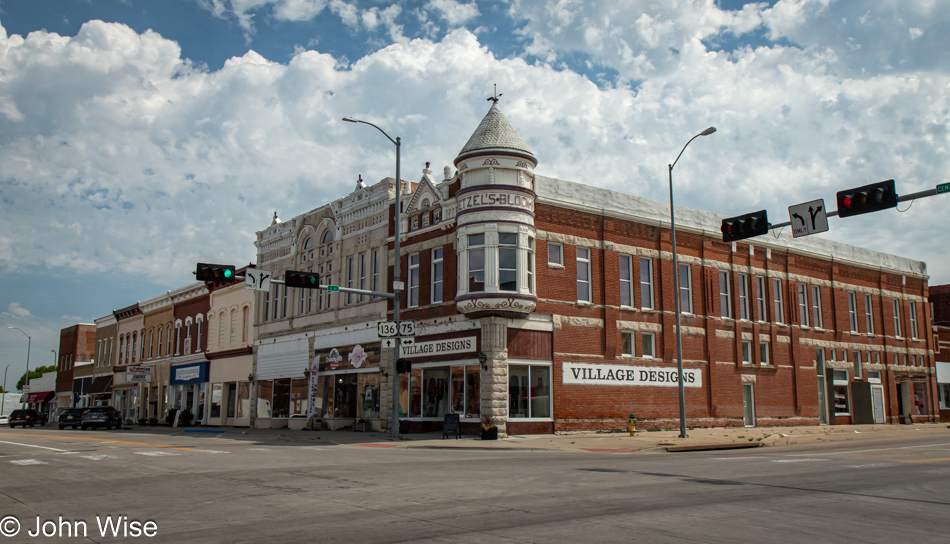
(870, 198)
(217, 273)
(745, 226)
(403, 366)
(304, 280)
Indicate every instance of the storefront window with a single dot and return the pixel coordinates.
(299, 396)
(944, 396)
(840, 392)
(265, 390)
(415, 393)
(243, 404)
(920, 398)
(472, 392)
(435, 400)
(369, 393)
(345, 396)
(434, 392)
(281, 402)
(529, 391)
(216, 400)
(458, 389)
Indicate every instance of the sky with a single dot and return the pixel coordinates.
(138, 137)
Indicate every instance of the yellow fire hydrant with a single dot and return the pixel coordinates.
(632, 424)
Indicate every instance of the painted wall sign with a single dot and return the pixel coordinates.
(357, 356)
(138, 374)
(495, 198)
(440, 347)
(604, 374)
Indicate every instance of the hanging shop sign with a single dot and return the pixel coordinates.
(604, 374)
(357, 356)
(138, 374)
(440, 347)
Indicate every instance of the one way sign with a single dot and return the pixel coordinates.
(808, 218)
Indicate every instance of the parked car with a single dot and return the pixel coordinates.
(4, 420)
(71, 417)
(101, 416)
(26, 416)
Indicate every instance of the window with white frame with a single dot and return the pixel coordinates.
(779, 311)
(853, 311)
(646, 283)
(816, 305)
(649, 345)
(159, 345)
(743, 296)
(413, 280)
(746, 352)
(626, 344)
(764, 354)
(868, 314)
(437, 275)
(583, 274)
(913, 320)
(760, 305)
(187, 346)
(476, 262)
(168, 347)
(362, 270)
(802, 304)
(151, 344)
(531, 264)
(198, 322)
(626, 280)
(529, 391)
(376, 270)
(351, 275)
(555, 254)
(686, 289)
(725, 295)
(177, 338)
(897, 318)
(508, 261)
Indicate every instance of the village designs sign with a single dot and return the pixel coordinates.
(602, 374)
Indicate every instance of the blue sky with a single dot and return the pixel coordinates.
(139, 137)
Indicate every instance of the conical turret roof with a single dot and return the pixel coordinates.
(495, 133)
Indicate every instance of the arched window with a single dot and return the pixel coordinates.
(159, 342)
(198, 322)
(168, 345)
(245, 324)
(308, 244)
(327, 237)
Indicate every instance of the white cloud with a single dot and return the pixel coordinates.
(16, 310)
(145, 162)
(455, 13)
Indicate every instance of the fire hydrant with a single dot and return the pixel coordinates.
(632, 424)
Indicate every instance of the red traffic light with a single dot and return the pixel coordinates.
(869, 198)
(745, 226)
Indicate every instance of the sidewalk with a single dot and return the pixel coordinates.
(660, 441)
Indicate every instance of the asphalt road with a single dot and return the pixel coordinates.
(211, 489)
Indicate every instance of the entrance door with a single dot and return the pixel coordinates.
(822, 396)
(748, 408)
(877, 400)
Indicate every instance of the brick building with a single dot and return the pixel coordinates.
(940, 327)
(548, 305)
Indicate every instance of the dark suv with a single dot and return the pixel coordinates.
(26, 417)
(101, 416)
(71, 417)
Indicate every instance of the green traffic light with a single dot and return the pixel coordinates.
(227, 272)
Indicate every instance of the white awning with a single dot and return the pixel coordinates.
(943, 372)
(288, 359)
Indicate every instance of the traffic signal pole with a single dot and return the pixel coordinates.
(904, 198)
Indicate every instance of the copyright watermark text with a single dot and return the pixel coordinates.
(103, 526)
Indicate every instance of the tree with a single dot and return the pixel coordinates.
(34, 374)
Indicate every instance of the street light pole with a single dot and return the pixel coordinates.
(29, 343)
(394, 417)
(676, 281)
(3, 402)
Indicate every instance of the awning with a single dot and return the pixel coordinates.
(39, 396)
(100, 385)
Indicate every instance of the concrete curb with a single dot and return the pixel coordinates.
(713, 447)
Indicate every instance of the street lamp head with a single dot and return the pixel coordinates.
(708, 131)
(350, 120)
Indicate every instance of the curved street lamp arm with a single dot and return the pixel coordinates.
(351, 120)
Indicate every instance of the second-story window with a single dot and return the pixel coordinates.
(362, 268)
(743, 296)
(913, 320)
(626, 280)
(436, 275)
(646, 283)
(350, 273)
(414, 280)
(686, 289)
(508, 261)
(476, 262)
(869, 314)
(897, 318)
(725, 295)
(583, 274)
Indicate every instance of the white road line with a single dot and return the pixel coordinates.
(97, 457)
(210, 451)
(33, 446)
(156, 453)
(28, 462)
(875, 449)
(795, 460)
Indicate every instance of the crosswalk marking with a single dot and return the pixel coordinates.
(210, 451)
(28, 462)
(97, 457)
(156, 453)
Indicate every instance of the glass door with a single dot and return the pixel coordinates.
(748, 407)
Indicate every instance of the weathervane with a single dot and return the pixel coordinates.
(495, 96)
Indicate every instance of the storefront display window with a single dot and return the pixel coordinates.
(216, 400)
(920, 398)
(299, 396)
(434, 392)
(265, 390)
(281, 401)
(529, 391)
(243, 406)
(369, 393)
(345, 396)
(944, 396)
(841, 395)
